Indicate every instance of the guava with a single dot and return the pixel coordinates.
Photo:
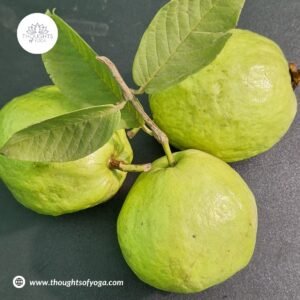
(239, 106)
(58, 188)
(186, 228)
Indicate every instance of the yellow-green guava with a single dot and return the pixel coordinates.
(235, 108)
(186, 228)
(58, 188)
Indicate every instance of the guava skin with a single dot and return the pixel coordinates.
(58, 188)
(186, 228)
(239, 106)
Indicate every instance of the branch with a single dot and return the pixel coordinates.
(158, 134)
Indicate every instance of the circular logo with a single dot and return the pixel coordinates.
(37, 33)
(19, 282)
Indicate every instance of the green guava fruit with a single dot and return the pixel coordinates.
(188, 227)
(58, 188)
(235, 108)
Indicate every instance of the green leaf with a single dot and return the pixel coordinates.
(185, 36)
(73, 67)
(36, 106)
(65, 138)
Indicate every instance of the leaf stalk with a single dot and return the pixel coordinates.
(119, 165)
(133, 132)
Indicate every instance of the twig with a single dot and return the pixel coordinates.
(158, 134)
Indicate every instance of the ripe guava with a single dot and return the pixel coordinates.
(235, 108)
(58, 188)
(188, 227)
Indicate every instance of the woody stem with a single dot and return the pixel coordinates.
(158, 134)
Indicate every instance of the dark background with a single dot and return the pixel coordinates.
(84, 245)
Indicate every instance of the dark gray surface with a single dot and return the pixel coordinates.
(84, 245)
